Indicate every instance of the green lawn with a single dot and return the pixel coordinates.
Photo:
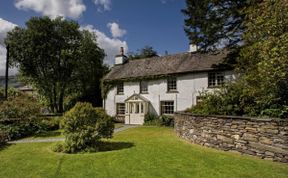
(138, 152)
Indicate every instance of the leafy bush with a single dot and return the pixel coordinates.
(50, 123)
(236, 99)
(152, 119)
(12, 92)
(22, 107)
(166, 121)
(281, 113)
(84, 126)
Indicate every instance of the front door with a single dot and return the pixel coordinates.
(136, 113)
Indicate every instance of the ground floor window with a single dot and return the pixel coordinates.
(167, 107)
(120, 108)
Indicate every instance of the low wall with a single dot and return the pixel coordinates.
(265, 138)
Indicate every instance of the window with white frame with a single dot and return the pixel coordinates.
(215, 79)
(143, 87)
(120, 88)
(120, 108)
(167, 107)
(171, 84)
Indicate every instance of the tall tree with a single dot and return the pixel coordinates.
(50, 55)
(263, 60)
(145, 52)
(90, 70)
(211, 24)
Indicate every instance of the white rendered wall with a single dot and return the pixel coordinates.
(188, 88)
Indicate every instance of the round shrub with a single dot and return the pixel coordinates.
(84, 126)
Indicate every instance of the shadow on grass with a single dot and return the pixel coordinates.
(112, 146)
(48, 134)
(103, 146)
(3, 147)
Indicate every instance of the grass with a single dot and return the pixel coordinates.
(137, 152)
(46, 135)
(118, 125)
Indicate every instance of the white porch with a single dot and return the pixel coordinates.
(136, 107)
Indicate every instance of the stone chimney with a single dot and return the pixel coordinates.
(193, 48)
(120, 58)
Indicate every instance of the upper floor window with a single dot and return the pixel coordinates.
(143, 87)
(120, 88)
(171, 84)
(215, 79)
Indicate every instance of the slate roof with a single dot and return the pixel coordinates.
(166, 65)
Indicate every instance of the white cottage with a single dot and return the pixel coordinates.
(161, 85)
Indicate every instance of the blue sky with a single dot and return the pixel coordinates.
(129, 23)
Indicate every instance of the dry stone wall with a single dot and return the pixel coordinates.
(265, 138)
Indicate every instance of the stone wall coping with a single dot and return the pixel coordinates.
(234, 117)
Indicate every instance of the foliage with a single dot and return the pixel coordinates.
(145, 52)
(263, 62)
(166, 121)
(90, 71)
(3, 138)
(12, 92)
(262, 87)
(224, 101)
(52, 55)
(23, 107)
(50, 123)
(84, 126)
(152, 119)
(22, 128)
(210, 23)
(20, 117)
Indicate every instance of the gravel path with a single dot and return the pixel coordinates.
(125, 127)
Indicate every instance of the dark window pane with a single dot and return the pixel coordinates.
(143, 86)
(172, 84)
(120, 88)
(120, 108)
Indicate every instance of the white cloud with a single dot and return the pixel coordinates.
(110, 45)
(115, 30)
(5, 26)
(105, 4)
(53, 8)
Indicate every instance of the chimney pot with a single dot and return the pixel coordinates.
(121, 50)
(193, 48)
(120, 59)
